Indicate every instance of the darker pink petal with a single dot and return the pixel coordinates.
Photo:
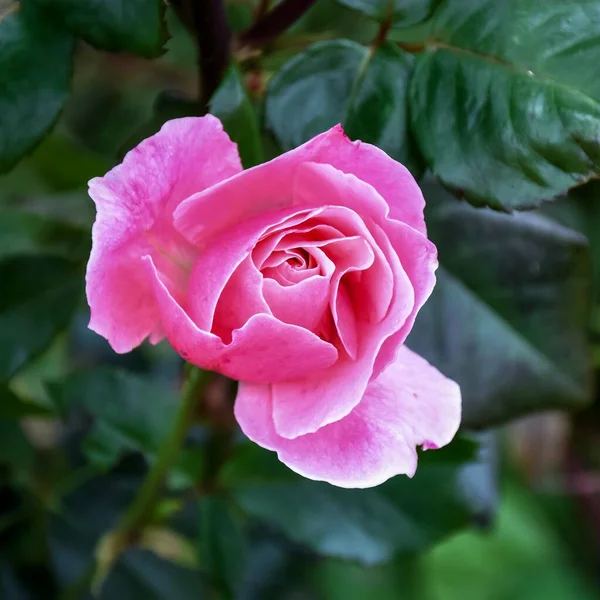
(263, 350)
(135, 203)
(410, 404)
(419, 259)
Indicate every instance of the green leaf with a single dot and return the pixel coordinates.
(222, 545)
(137, 574)
(232, 105)
(30, 233)
(40, 296)
(15, 449)
(507, 318)
(344, 82)
(398, 12)
(524, 557)
(505, 99)
(130, 413)
(35, 73)
(372, 525)
(135, 26)
(13, 407)
(141, 574)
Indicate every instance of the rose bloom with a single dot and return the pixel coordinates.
(300, 277)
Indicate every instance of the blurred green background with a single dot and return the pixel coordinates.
(520, 520)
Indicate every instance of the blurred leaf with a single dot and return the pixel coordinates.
(30, 233)
(137, 574)
(521, 558)
(35, 73)
(232, 105)
(507, 319)
(222, 546)
(169, 545)
(372, 525)
(141, 574)
(40, 295)
(189, 469)
(399, 12)
(66, 165)
(130, 413)
(504, 99)
(135, 26)
(344, 82)
(251, 465)
(399, 580)
(15, 448)
(10, 586)
(13, 407)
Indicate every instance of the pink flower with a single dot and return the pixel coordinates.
(301, 278)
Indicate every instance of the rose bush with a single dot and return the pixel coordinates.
(301, 278)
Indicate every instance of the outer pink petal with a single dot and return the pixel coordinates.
(410, 404)
(135, 203)
(268, 186)
(263, 350)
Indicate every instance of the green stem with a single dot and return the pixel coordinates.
(143, 505)
(142, 508)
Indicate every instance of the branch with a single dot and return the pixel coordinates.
(274, 23)
(207, 21)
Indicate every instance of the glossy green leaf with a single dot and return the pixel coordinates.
(505, 101)
(135, 26)
(233, 106)
(130, 413)
(35, 73)
(40, 295)
(372, 525)
(397, 12)
(222, 545)
(344, 82)
(507, 319)
(32, 234)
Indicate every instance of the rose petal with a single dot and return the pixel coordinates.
(263, 350)
(268, 186)
(301, 304)
(135, 203)
(332, 186)
(410, 404)
(419, 260)
(241, 298)
(218, 261)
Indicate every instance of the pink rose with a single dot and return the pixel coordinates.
(301, 278)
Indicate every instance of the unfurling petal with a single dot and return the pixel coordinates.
(410, 404)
